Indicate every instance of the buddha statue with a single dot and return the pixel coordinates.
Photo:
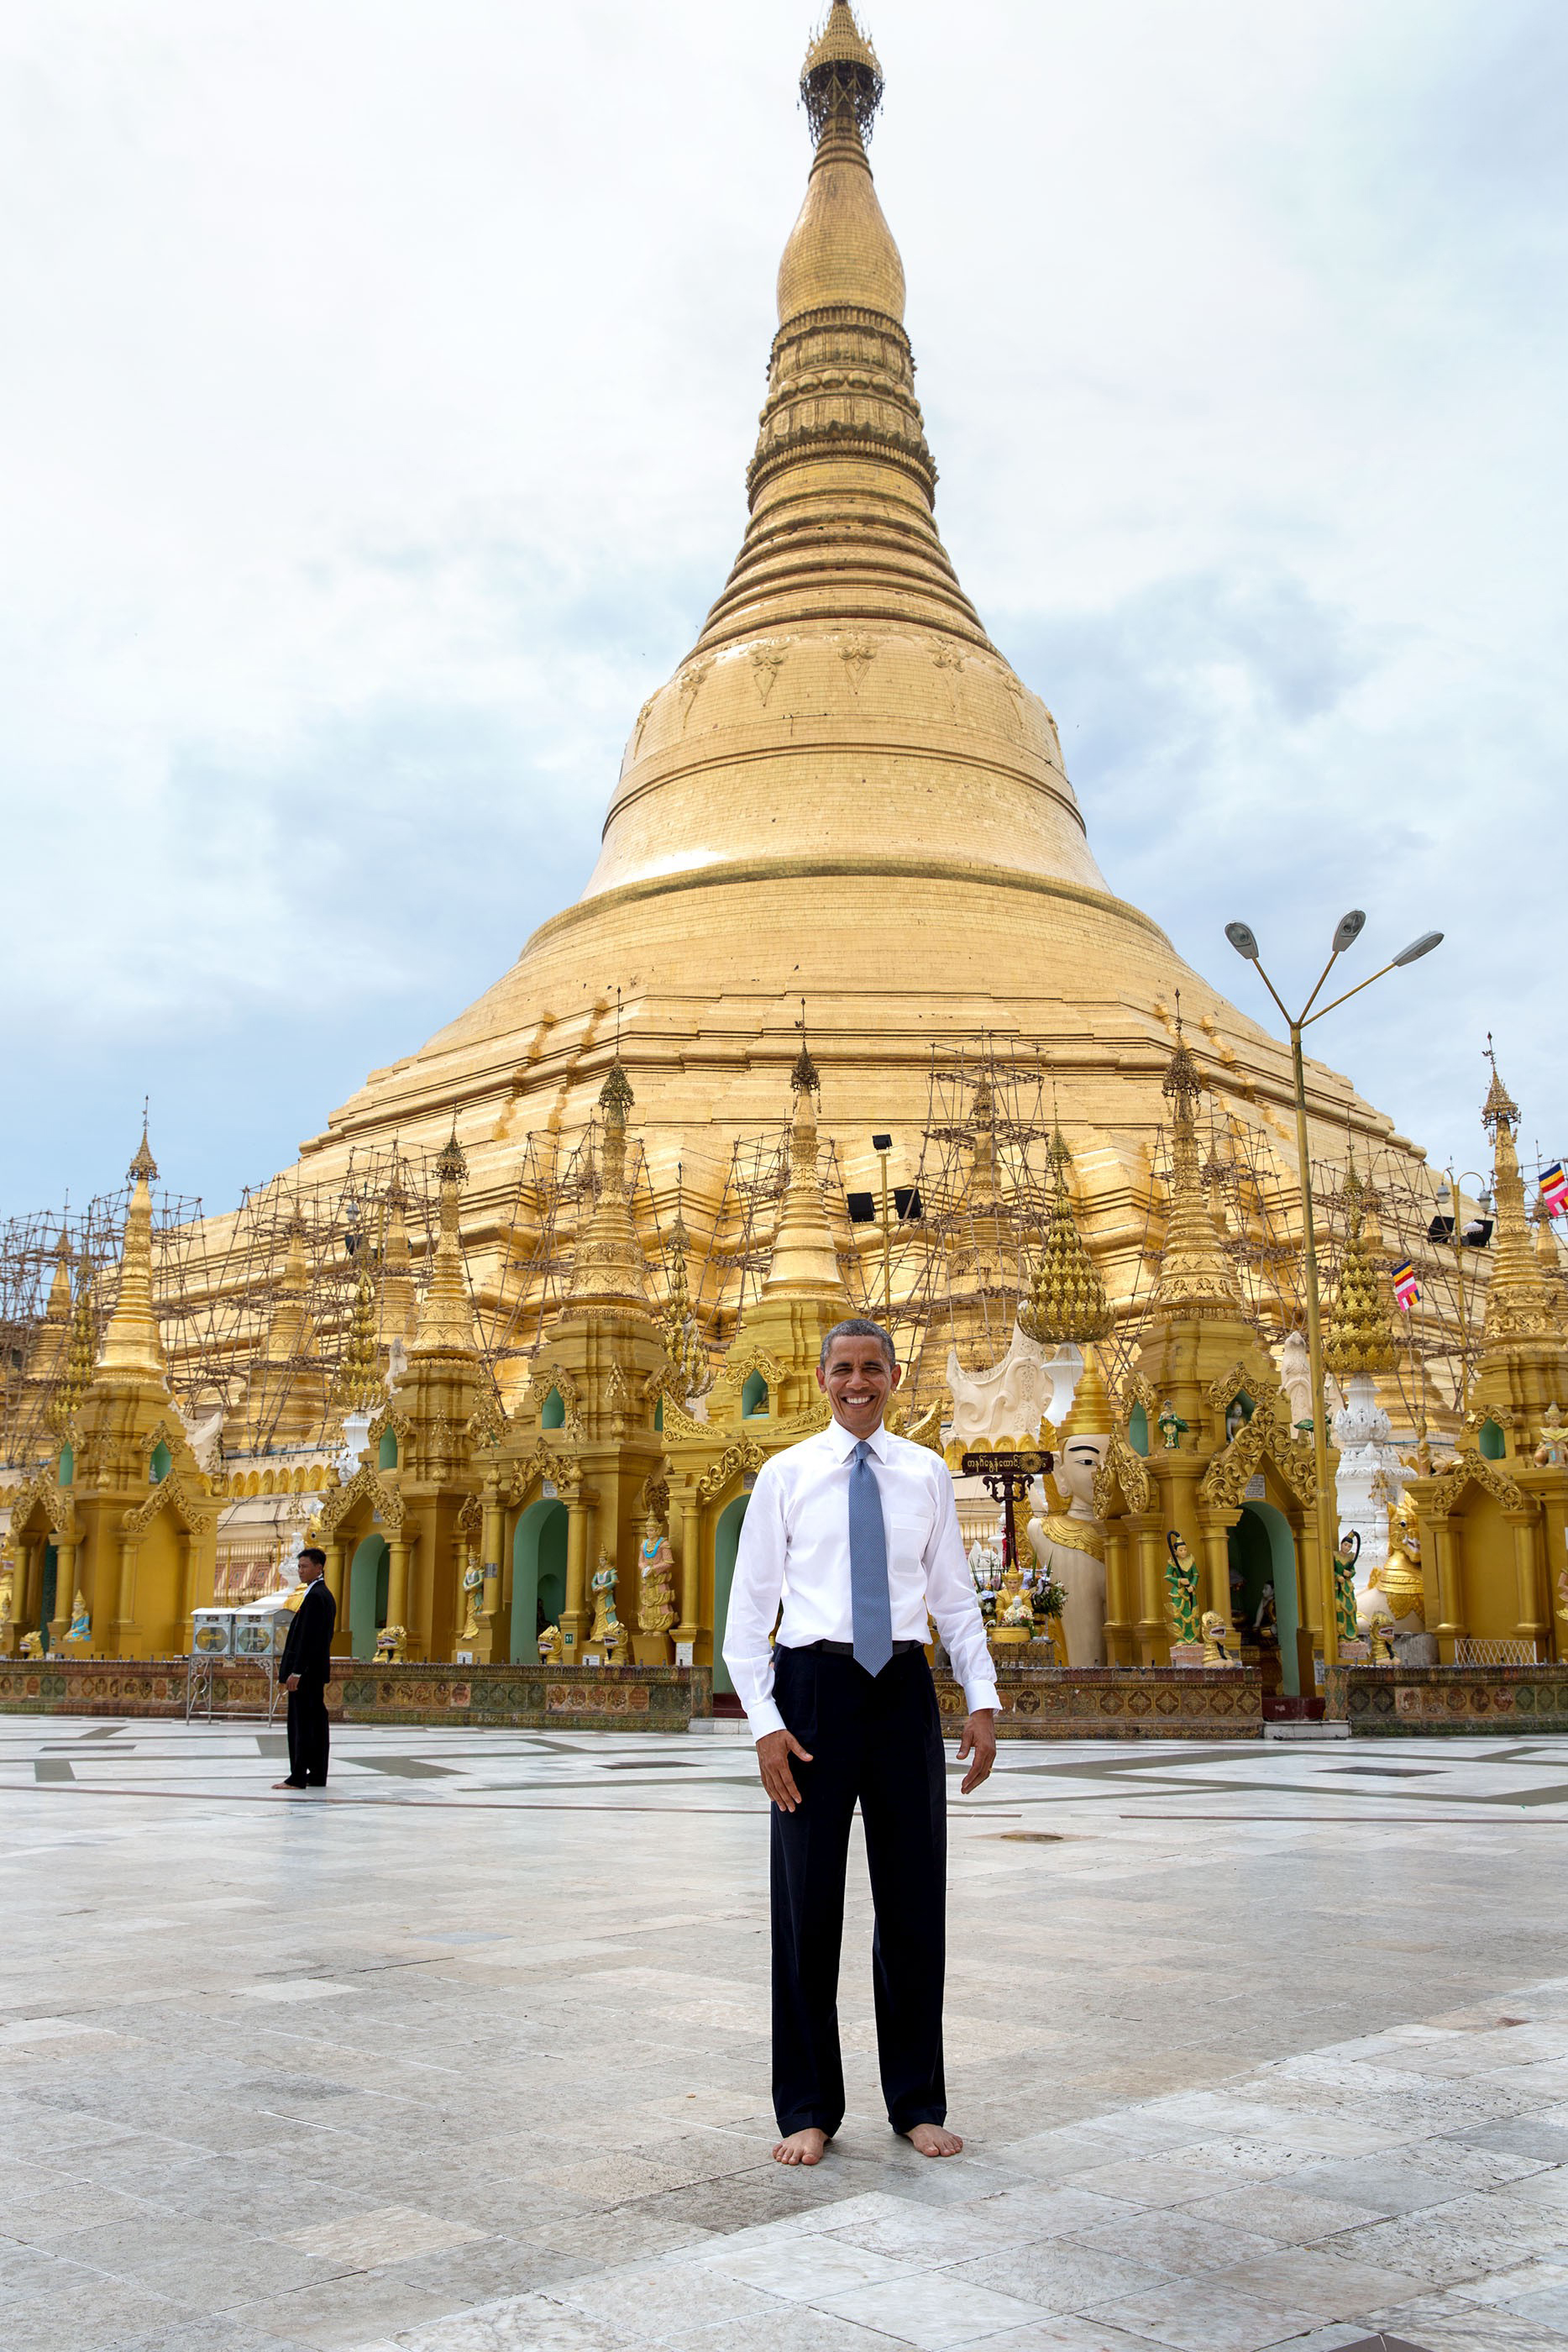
(81, 1628)
(1070, 1544)
(656, 1610)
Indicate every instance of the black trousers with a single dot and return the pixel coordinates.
(876, 1742)
(308, 1736)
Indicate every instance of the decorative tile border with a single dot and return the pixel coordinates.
(1415, 1702)
(642, 1698)
(1118, 1702)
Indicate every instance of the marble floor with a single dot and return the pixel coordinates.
(1253, 2046)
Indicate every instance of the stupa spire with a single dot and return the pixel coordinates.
(1518, 1300)
(609, 1269)
(804, 1264)
(1067, 1300)
(1360, 1337)
(132, 1346)
(445, 1325)
(1196, 1277)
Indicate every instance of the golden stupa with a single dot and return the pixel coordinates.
(844, 793)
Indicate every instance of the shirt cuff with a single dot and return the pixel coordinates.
(762, 1718)
(981, 1692)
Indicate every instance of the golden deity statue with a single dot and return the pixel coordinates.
(1181, 1584)
(81, 1624)
(657, 1611)
(607, 1634)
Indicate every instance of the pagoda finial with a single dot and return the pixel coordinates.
(132, 1345)
(452, 1164)
(1197, 1276)
(1360, 1336)
(1067, 1300)
(1498, 1104)
(842, 78)
(143, 1169)
(803, 1078)
(445, 1322)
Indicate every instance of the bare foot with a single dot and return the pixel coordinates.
(801, 2147)
(931, 2139)
(297, 1785)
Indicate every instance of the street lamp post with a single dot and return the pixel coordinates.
(1244, 940)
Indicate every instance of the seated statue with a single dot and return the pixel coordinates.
(657, 1611)
(81, 1624)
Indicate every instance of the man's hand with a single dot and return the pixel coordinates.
(774, 1750)
(291, 1683)
(979, 1740)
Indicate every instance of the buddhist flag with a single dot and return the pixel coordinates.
(1406, 1289)
(1555, 1189)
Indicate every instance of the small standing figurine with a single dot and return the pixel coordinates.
(1552, 1450)
(81, 1624)
(473, 1589)
(1562, 1595)
(656, 1610)
(1171, 1426)
(1217, 1637)
(550, 1647)
(1181, 1584)
(606, 1630)
(1344, 1561)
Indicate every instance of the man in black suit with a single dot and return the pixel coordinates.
(304, 1671)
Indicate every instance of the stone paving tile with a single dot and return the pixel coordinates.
(1064, 2274)
(1446, 2324)
(1199, 2316)
(937, 2311)
(1279, 2210)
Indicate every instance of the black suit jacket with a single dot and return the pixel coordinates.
(307, 1650)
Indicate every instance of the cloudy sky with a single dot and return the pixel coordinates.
(380, 377)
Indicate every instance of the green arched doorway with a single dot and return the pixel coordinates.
(1261, 1546)
(368, 1577)
(539, 1577)
(726, 1544)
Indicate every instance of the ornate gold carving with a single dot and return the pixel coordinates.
(1473, 1470)
(1124, 1472)
(733, 1463)
(367, 1485)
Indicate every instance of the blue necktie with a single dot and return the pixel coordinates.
(870, 1605)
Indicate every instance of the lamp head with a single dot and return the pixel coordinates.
(882, 1143)
(1351, 927)
(1418, 948)
(1243, 940)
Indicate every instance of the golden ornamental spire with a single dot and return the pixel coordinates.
(841, 76)
(1092, 1413)
(81, 1355)
(1197, 1276)
(609, 1270)
(132, 1346)
(360, 1387)
(1518, 1304)
(682, 1339)
(1067, 1300)
(1360, 1336)
(446, 1326)
(396, 1299)
(804, 1264)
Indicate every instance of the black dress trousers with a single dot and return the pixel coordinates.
(309, 1734)
(874, 1741)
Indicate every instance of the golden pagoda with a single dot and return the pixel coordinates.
(1360, 1335)
(844, 791)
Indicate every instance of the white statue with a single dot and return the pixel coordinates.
(1371, 1475)
(1070, 1544)
(1009, 1398)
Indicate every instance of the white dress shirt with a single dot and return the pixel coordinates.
(795, 1547)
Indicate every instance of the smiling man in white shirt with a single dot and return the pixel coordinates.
(855, 1532)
